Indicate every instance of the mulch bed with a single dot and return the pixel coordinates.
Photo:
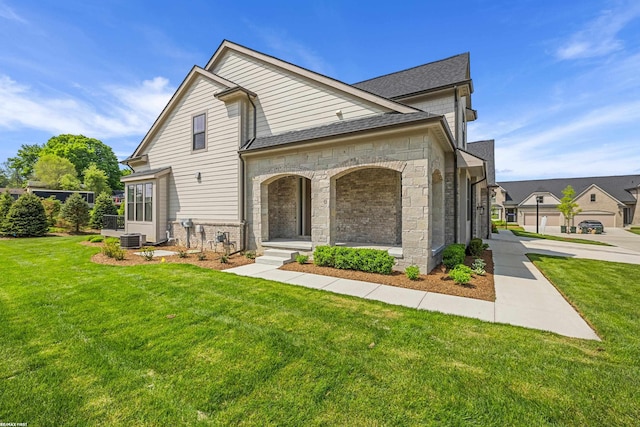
(212, 261)
(481, 287)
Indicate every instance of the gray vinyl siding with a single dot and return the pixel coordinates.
(215, 197)
(443, 105)
(287, 101)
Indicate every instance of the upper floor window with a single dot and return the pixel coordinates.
(593, 197)
(199, 132)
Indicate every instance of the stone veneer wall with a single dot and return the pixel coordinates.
(369, 207)
(236, 232)
(283, 194)
(410, 155)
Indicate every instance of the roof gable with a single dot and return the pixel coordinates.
(485, 150)
(175, 99)
(423, 78)
(227, 45)
(594, 186)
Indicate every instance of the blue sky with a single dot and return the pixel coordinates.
(557, 83)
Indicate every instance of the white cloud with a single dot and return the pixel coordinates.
(292, 50)
(7, 13)
(599, 37)
(126, 111)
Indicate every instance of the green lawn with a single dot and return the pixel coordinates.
(86, 344)
(522, 233)
(634, 230)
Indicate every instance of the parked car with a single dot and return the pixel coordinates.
(591, 223)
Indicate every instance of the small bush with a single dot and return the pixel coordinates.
(412, 272)
(494, 227)
(224, 259)
(461, 274)
(182, 253)
(95, 239)
(104, 206)
(476, 247)
(453, 255)
(250, 255)
(202, 256)
(112, 249)
(324, 256)
(147, 253)
(478, 267)
(367, 260)
(302, 259)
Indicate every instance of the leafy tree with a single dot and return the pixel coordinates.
(96, 180)
(5, 204)
(70, 182)
(82, 151)
(24, 161)
(568, 207)
(104, 206)
(49, 169)
(52, 208)
(26, 217)
(75, 210)
(9, 177)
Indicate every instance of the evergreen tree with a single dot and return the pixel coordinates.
(104, 206)
(52, 208)
(75, 211)
(5, 204)
(26, 217)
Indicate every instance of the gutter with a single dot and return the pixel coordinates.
(243, 210)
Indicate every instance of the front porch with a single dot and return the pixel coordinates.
(305, 245)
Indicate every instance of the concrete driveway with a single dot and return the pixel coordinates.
(613, 236)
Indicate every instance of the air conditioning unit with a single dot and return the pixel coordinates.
(131, 241)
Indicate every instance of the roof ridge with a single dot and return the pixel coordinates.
(411, 68)
(573, 177)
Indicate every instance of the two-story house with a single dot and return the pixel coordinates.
(277, 155)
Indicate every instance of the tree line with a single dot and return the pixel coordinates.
(65, 162)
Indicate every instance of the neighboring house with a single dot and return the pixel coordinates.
(45, 193)
(276, 155)
(611, 200)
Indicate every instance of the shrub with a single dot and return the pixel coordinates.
(112, 249)
(76, 211)
(302, 259)
(26, 217)
(461, 274)
(202, 256)
(52, 208)
(494, 227)
(453, 255)
(478, 267)
(476, 247)
(96, 239)
(412, 272)
(250, 255)
(182, 253)
(5, 204)
(104, 206)
(147, 253)
(368, 260)
(323, 256)
(224, 259)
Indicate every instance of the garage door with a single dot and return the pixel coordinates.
(607, 220)
(553, 219)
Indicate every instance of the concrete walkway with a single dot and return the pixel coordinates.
(524, 297)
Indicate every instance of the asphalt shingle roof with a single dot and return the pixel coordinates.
(485, 150)
(419, 79)
(616, 186)
(338, 129)
(147, 172)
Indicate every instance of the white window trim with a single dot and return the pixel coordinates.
(206, 133)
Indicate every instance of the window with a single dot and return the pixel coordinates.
(130, 203)
(199, 126)
(140, 202)
(593, 197)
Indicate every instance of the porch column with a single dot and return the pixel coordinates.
(322, 210)
(415, 214)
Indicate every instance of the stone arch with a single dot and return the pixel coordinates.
(437, 209)
(285, 205)
(366, 204)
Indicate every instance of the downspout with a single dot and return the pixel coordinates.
(473, 208)
(242, 175)
(455, 167)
